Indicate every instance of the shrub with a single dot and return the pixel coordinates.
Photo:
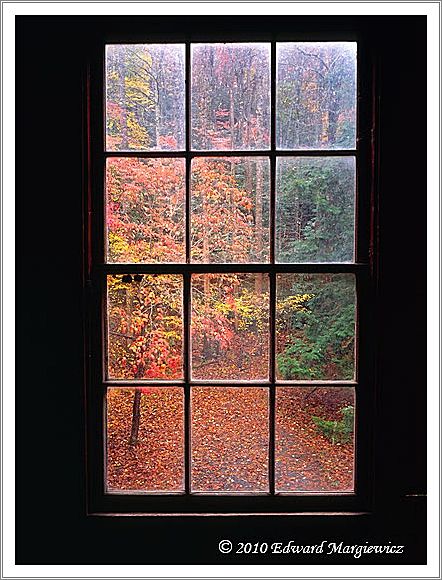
(337, 431)
(299, 361)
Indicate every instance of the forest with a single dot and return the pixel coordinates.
(230, 223)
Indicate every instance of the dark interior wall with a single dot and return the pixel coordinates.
(51, 523)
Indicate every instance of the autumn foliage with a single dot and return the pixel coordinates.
(229, 222)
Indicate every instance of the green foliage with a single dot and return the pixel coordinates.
(337, 431)
(319, 330)
(316, 210)
(300, 361)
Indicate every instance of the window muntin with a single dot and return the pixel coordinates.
(274, 160)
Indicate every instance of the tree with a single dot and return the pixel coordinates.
(145, 331)
(230, 96)
(145, 214)
(315, 209)
(316, 95)
(316, 326)
(145, 209)
(228, 225)
(229, 327)
(145, 97)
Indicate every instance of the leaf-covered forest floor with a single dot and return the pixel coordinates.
(229, 432)
(242, 360)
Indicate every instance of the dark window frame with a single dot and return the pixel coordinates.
(96, 270)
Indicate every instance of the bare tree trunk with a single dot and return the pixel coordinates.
(258, 224)
(157, 104)
(136, 413)
(297, 219)
(206, 260)
(232, 119)
(205, 234)
(136, 406)
(122, 101)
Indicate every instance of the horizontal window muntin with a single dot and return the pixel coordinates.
(265, 268)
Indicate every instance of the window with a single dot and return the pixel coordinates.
(231, 275)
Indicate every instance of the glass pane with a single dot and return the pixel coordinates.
(145, 210)
(230, 439)
(315, 326)
(145, 97)
(230, 209)
(314, 447)
(315, 209)
(316, 95)
(145, 323)
(230, 319)
(145, 439)
(230, 96)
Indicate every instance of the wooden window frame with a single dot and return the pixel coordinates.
(95, 271)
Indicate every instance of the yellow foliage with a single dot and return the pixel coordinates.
(117, 245)
(248, 307)
(294, 303)
(139, 136)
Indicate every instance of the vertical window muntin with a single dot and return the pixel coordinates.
(271, 269)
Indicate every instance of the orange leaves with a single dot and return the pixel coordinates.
(145, 330)
(305, 459)
(221, 208)
(145, 209)
(229, 438)
(157, 462)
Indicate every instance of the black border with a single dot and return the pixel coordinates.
(52, 525)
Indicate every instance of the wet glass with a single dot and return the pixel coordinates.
(314, 439)
(230, 104)
(145, 97)
(230, 439)
(315, 326)
(145, 326)
(145, 439)
(315, 209)
(316, 95)
(229, 326)
(145, 219)
(230, 210)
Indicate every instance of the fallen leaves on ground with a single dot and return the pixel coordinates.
(229, 440)
(307, 460)
(241, 361)
(156, 463)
